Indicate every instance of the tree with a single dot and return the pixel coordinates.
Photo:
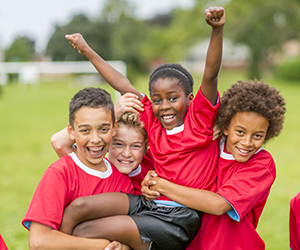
(263, 26)
(96, 34)
(21, 50)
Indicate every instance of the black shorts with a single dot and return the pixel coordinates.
(166, 228)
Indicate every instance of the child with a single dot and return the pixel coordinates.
(179, 133)
(251, 113)
(295, 222)
(85, 172)
(128, 149)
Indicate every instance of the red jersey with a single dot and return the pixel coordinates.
(138, 175)
(185, 155)
(295, 222)
(64, 181)
(245, 186)
(2, 244)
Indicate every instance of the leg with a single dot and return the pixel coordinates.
(120, 228)
(93, 207)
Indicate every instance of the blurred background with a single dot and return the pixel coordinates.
(40, 72)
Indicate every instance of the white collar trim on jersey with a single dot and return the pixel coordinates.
(228, 156)
(91, 171)
(136, 171)
(175, 130)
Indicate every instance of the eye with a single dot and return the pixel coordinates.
(173, 98)
(257, 137)
(104, 129)
(239, 132)
(136, 146)
(156, 101)
(84, 131)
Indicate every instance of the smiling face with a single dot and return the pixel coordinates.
(93, 131)
(127, 149)
(245, 135)
(169, 102)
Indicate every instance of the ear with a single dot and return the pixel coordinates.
(71, 132)
(114, 129)
(225, 132)
(190, 98)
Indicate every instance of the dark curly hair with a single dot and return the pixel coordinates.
(176, 71)
(253, 96)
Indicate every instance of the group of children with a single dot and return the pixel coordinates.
(166, 184)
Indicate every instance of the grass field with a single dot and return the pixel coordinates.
(29, 116)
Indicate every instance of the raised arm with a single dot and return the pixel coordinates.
(202, 200)
(215, 17)
(118, 81)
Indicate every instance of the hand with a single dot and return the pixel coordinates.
(147, 183)
(115, 245)
(215, 16)
(77, 41)
(217, 132)
(127, 103)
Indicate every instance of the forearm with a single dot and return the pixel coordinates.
(198, 199)
(43, 237)
(214, 53)
(117, 80)
(62, 143)
(209, 84)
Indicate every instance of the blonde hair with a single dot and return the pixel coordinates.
(133, 120)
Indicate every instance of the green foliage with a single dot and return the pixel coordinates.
(290, 70)
(263, 26)
(96, 34)
(21, 50)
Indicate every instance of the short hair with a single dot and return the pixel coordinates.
(253, 96)
(175, 71)
(133, 120)
(91, 97)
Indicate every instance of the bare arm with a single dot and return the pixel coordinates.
(118, 81)
(202, 200)
(43, 237)
(214, 16)
(62, 143)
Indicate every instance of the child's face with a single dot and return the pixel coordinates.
(245, 135)
(127, 149)
(93, 131)
(169, 102)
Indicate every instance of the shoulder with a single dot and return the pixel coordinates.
(295, 201)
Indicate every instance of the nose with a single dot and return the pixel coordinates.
(126, 152)
(95, 138)
(247, 141)
(164, 105)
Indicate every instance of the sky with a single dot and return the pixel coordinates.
(37, 18)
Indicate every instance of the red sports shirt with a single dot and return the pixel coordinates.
(64, 181)
(185, 155)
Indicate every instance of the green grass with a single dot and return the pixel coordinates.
(29, 116)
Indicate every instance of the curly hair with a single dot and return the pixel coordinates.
(176, 71)
(133, 120)
(253, 96)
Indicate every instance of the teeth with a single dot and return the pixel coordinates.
(126, 162)
(165, 117)
(95, 151)
(244, 151)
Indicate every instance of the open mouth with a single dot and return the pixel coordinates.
(244, 151)
(125, 162)
(96, 152)
(168, 118)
